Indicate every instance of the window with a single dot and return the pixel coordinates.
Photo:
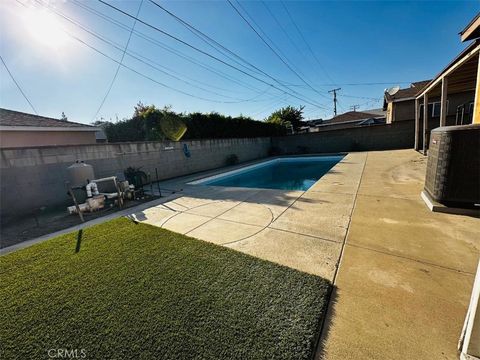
(470, 108)
(433, 109)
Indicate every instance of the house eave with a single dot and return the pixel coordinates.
(471, 31)
(465, 55)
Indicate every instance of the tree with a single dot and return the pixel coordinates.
(287, 116)
(63, 117)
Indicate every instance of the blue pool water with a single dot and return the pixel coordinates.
(285, 173)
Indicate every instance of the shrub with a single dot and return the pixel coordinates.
(146, 125)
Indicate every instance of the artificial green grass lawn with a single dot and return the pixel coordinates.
(135, 291)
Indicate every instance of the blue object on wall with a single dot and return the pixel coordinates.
(186, 151)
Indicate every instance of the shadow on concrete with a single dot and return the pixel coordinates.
(262, 196)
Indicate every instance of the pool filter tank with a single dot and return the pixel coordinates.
(79, 174)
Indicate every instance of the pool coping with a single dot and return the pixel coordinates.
(260, 164)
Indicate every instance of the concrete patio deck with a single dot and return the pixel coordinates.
(402, 274)
(302, 230)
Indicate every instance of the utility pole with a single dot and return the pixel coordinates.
(354, 107)
(334, 91)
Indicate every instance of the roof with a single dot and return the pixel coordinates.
(377, 112)
(19, 120)
(352, 116)
(408, 93)
(472, 30)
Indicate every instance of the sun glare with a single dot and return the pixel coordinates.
(45, 28)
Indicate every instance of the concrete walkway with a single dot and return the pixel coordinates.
(406, 274)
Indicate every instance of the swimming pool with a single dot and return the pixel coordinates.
(295, 173)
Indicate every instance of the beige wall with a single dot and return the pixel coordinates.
(43, 138)
(404, 110)
(389, 117)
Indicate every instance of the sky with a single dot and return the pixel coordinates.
(64, 54)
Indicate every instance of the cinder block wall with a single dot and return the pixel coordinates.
(398, 135)
(34, 177)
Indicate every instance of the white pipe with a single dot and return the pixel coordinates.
(110, 178)
(91, 187)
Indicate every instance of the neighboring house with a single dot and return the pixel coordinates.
(18, 129)
(452, 97)
(348, 119)
(400, 105)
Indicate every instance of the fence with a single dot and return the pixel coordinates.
(34, 177)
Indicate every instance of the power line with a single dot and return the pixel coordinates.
(269, 106)
(18, 85)
(136, 71)
(357, 84)
(112, 43)
(283, 30)
(360, 97)
(141, 74)
(210, 41)
(119, 65)
(130, 68)
(139, 57)
(170, 49)
(278, 49)
(306, 43)
(207, 54)
(214, 44)
(270, 47)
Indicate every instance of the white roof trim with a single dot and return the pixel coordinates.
(46, 128)
(404, 99)
(400, 100)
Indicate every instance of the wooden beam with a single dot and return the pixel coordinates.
(470, 30)
(425, 123)
(443, 102)
(417, 124)
(476, 104)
